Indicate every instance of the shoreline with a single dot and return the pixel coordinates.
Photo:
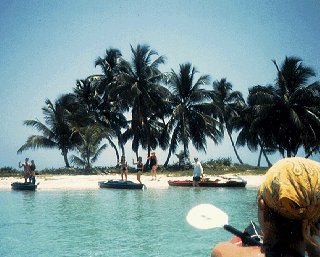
(90, 182)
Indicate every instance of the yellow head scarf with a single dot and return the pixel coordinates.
(292, 189)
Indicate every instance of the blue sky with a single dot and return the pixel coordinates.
(47, 45)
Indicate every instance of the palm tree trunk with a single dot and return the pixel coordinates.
(264, 153)
(120, 142)
(259, 158)
(115, 148)
(122, 150)
(185, 144)
(65, 157)
(266, 157)
(146, 122)
(168, 158)
(185, 152)
(88, 166)
(234, 147)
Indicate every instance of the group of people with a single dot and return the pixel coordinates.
(153, 163)
(288, 212)
(29, 171)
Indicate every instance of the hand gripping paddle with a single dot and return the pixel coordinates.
(207, 216)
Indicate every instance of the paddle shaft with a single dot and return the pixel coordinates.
(244, 237)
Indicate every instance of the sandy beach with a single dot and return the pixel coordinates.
(90, 182)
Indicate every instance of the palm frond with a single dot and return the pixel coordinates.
(34, 142)
(98, 153)
(40, 127)
(77, 161)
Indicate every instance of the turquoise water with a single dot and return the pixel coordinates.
(112, 223)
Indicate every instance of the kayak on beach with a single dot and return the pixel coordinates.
(120, 184)
(221, 181)
(24, 186)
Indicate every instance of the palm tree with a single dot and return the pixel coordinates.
(56, 132)
(289, 112)
(249, 134)
(89, 147)
(191, 118)
(228, 104)
(107, 113)
(111, 65)
(86, 92)
(139, 88)
(111, 107)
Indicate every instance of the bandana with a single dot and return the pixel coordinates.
(292, 189)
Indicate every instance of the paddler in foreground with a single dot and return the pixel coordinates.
(288, 212)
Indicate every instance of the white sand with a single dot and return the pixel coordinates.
(80, 182)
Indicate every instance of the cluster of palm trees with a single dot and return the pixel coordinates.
(133, 101)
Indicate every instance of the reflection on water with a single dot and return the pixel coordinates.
(116, 222)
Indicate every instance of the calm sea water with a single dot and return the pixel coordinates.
(106, 222)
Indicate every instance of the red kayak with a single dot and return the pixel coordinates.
(218, 182)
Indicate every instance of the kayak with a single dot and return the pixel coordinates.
(218, 182)
(120, 184)
(24, 186)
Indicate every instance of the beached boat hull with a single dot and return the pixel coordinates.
(23, 186)
(120, 184)
(208, 183)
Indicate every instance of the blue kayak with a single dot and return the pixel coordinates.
(24, 186)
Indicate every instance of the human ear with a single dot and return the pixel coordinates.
(262, 210)
(261, 204)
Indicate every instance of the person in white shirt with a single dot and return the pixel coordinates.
(197, 172)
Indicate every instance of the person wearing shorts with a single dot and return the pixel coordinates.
(153, 165)
(197, 172)
(26, 169)
(124, 167)
(139, 168)
(32, 177)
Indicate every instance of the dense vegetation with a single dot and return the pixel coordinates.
(133, 101)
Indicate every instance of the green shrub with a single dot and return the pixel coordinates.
(9, 171)
(220, 161)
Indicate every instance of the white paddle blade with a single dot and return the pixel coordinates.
(206, 216)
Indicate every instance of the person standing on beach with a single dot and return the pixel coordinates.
(32, 177)
(124, 167)
(153, 165)
(139, 168)
(26, 169)
(197, 172)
